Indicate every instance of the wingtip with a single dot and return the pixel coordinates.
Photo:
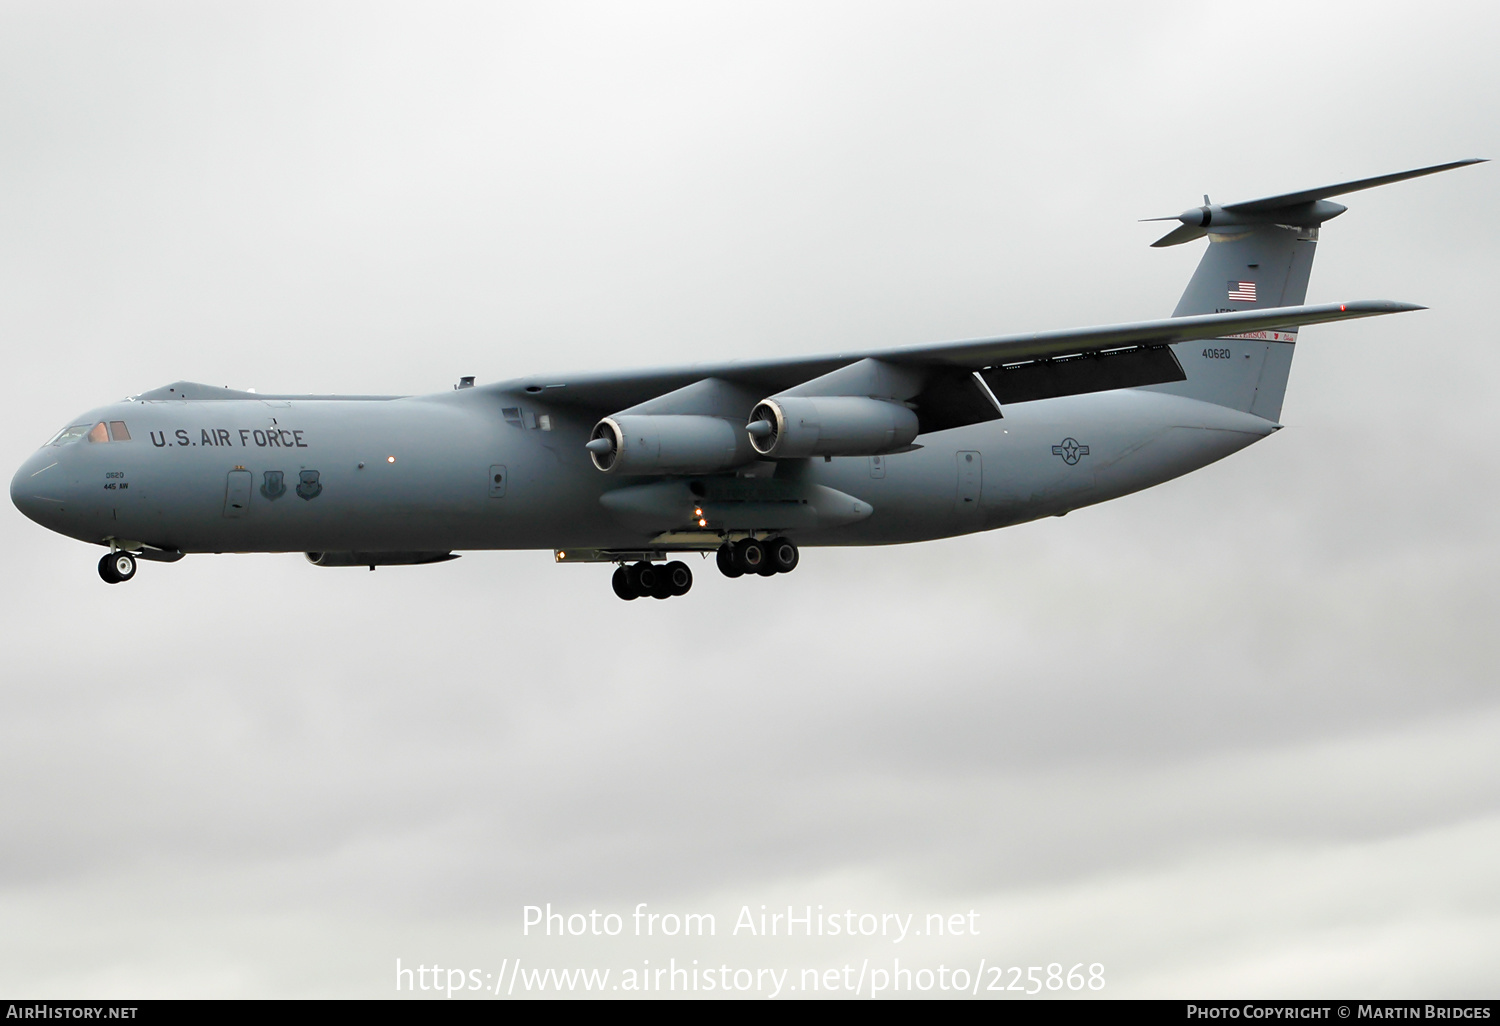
(1381, 306)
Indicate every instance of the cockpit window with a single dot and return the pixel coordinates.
(117, 431)
(72, 433)
(98, 433)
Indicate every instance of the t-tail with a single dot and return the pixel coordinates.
(1260, 254)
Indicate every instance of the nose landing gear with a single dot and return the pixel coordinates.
(117, 567)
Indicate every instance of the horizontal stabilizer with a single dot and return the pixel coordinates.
(1182, 233)
(1291, 199)
(1306, 209)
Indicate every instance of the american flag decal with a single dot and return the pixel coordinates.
(1242, 291)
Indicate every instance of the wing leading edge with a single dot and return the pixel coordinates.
(1130, 355)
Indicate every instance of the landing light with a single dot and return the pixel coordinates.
(390, 459)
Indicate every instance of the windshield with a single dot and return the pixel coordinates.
(71, 433)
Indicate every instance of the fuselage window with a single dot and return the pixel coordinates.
(99, 433)
(117, 431)
(512, 415)
(71, 433)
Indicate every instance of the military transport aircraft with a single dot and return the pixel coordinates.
(751, 461)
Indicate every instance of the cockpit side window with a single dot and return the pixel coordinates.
(71, 433)
(98, 433)
(118, 432)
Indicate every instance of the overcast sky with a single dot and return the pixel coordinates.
(1238, 735)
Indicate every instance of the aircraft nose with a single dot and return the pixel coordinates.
(36, 494)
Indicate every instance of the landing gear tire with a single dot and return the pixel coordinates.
(783, 555)
(749, 556)
(642, 577)
(621, 583)
(661, 583)
(117, 567)
(679, 576)
(725, 559)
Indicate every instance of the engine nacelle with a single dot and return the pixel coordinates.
(667, 444)
(790, 427)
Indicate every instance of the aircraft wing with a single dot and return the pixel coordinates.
(951, 396)
(980, 354)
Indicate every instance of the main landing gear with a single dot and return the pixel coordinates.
(752, 556)
(663, 582)
(736, 559)
(117, 567)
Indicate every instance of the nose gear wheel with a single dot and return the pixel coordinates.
(117, 567)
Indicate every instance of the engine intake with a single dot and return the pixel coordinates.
(666, 444)
(791, 427)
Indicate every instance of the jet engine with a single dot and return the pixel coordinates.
(666, 444)
(790, 427)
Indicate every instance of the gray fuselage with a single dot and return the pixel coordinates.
(477, 469)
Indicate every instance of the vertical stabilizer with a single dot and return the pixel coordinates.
(1260, 255)
(1264, 267)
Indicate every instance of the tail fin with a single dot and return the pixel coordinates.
(1260, 255)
